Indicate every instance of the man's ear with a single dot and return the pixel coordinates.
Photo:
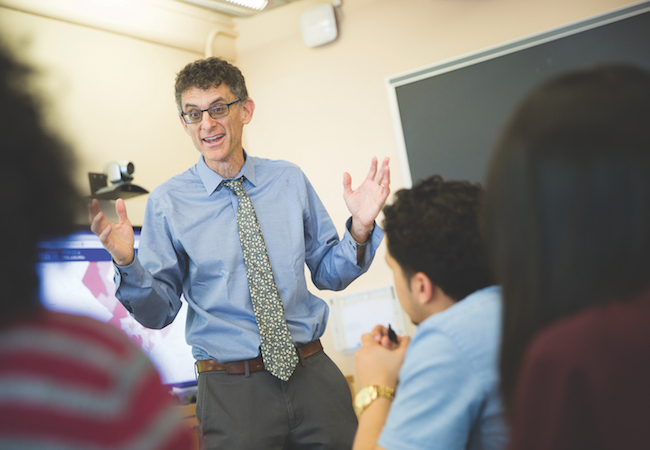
(248, 107)
(184, 124)
(422, 288)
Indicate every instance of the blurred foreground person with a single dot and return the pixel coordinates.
(568, 226)
(66, 382)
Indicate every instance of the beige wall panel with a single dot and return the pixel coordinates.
(109, 95)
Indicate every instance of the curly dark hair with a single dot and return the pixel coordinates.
(37, 195)
(433, 228)
(210, 73)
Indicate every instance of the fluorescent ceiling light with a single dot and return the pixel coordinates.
(253, 4)
(232, 7)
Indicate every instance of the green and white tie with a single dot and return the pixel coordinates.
(278, 351)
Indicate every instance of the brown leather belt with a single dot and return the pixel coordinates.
(255, 364)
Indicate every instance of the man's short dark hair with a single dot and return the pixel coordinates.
(433, 228)
(210, 73)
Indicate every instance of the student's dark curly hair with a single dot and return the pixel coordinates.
(433, 228)
(37, 196)
(210, 73)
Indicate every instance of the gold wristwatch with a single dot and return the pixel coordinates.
(369, 394)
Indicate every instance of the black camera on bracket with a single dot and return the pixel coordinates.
(120, 174)
(120, 171)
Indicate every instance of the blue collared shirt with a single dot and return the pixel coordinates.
(448, 396)
(190, 245)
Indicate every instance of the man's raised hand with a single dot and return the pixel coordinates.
(366, 201)
(117, 238)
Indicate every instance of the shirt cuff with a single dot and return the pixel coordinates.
(130, 274)
(371, 245)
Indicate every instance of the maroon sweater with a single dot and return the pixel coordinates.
(585, 382)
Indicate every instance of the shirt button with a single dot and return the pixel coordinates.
(125, 274)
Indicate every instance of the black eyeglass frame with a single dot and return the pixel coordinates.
(186, 119)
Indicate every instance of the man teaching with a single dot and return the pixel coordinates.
(232, 234)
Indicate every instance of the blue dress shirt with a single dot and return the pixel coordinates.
(190, 245)
(448, 395)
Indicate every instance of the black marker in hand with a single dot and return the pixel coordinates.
(391, 335)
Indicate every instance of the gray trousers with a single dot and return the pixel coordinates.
(313, 410)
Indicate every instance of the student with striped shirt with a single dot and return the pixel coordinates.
(66, 382)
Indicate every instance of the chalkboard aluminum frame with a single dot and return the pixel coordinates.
(445, 66)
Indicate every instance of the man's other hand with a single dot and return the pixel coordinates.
(117, 238)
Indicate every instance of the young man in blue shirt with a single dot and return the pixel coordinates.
(191, 245)
(438, 389)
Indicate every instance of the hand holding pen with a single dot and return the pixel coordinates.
(380, 357)
(385, 336)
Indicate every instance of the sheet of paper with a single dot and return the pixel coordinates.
(354, 314)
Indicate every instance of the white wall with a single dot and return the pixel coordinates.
(324, 108)
(109, 95)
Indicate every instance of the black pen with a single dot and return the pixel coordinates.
(391, 335)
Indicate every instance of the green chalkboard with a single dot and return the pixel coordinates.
(448, 116)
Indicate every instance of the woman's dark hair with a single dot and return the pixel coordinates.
(37, 196)
(567, 211)
(433, 228)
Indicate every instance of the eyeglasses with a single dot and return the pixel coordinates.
(215, 111)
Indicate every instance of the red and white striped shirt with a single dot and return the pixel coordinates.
(70, 382)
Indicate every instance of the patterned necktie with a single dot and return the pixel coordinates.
(278, 351)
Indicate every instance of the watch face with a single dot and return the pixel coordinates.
(365, 397)
(369, 393)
